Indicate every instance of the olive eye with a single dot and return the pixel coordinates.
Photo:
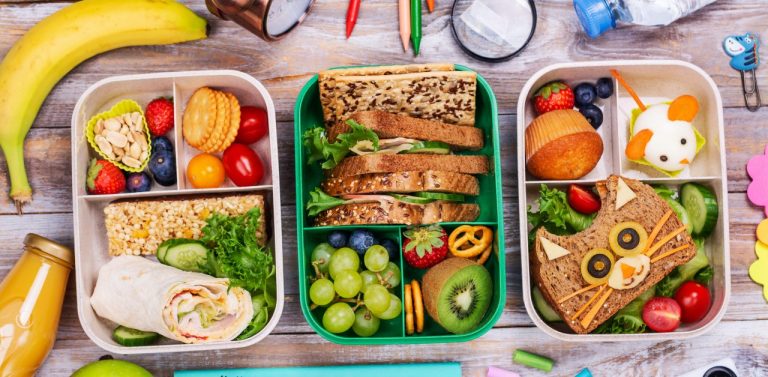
(663, 158)
(596, 266)
(627, 238)
(683, 141)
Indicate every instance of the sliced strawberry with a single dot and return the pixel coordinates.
(426, 246)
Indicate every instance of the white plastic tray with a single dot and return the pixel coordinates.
(650, 79)
(90, 234)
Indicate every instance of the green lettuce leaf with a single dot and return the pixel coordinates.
(319, 201)
(555, 215)
(315, 141)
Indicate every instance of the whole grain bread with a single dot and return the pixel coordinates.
(388, 126)
(445, 96)
(560, 277)
(403, 182)
(392, 163)
(398, 212)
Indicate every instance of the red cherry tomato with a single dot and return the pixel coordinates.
(253, 125)
(694, 300)
(662, 314)
(583, 200)
(242, 165)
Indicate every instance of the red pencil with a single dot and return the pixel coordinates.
(354, 8)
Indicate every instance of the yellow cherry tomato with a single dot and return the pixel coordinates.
(205, 171)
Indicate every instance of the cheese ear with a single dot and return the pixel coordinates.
(636, 147)
(683, 108)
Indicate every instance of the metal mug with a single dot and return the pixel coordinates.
(270, 20)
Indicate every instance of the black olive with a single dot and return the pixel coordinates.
(599, 266)
(663, 158)
(628, 238)
(683, 141)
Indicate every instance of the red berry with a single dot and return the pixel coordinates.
(425, 246)
(553, 96)
(159, 115)
(104, 178)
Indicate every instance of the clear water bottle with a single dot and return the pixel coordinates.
(598, 16)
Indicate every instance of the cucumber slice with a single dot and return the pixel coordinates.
(126, 336)
(431, 147)
(681, 212)
(701, 204)
(187, 255)
(543, 307)
(162, 250)
(441, 196)
(412, 199)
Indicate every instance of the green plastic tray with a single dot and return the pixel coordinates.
(308, 113)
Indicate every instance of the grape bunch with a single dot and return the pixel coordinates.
(354, 296)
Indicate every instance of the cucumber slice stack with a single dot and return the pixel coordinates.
(701, 204)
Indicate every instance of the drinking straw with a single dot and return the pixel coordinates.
(352, 11)
(404, 9)
(416, 25)
(431, 5)
(628, 88)
(533, 360)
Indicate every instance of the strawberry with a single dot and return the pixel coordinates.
(425, 247)
(553, 96)
(159, 115)
(104, 178)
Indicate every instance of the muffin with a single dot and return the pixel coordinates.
(561, 145)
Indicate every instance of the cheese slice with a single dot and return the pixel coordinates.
(624, 194)
(552, 249)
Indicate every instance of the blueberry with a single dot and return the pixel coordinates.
(584, 94)
(162, 165)
(361, 240)
(593, 114)
(338, 238)
(138, 182)
(391, 247)
(604, 87)
(161, 143)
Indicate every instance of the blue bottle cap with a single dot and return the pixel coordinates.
(595, 16)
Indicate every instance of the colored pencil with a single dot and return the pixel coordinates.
(416, 25)
(352, 11)
(404, 9)
(431, 5)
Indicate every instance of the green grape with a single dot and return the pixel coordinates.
(321, 292)
(343, 259)
(376, 299)
(369, 278)
(376, 258)
(322, 255)
(393, 311)
(366, 324)
(338, 318)
(348, 283)
(391, 275)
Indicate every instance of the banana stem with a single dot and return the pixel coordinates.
(21, 192)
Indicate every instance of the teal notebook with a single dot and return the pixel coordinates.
(384, 370)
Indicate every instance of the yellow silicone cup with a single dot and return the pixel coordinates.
(123, 107)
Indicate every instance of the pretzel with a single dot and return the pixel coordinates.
(464, 241)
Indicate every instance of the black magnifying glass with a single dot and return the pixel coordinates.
(493, 30)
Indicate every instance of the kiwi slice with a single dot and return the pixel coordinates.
(457, 293)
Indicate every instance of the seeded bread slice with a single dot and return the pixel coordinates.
(560, 277)
(445, 96)
(398, 213)
(389, 126)
(403, 182)
(392, 163)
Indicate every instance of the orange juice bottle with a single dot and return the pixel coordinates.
(30, 304)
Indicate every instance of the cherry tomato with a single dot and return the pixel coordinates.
(583, 200)
(662, 314)
(242, 165)
(253, 125)
(205, 171)
(694, 300)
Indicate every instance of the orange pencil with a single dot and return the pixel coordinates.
(404, 9)
(431, 5)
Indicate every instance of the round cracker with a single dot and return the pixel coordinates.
(222, 124)
(234, 121)
(199, 117)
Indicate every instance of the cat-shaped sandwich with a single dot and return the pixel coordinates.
(635, 241)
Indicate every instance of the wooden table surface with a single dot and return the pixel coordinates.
(284, 66)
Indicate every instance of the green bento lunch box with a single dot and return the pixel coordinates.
(308, 113)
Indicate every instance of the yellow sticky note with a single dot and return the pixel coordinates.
(758, 271)
(762, 231)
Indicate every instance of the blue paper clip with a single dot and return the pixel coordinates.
(743, 50)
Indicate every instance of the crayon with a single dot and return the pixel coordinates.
(404, 9)
(416, 25)
(352, 11)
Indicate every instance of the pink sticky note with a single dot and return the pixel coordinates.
(498, 372)
(757, 191)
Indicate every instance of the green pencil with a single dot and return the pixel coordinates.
(416, 25)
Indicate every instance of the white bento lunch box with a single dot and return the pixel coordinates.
(649, 78)
(90, 237)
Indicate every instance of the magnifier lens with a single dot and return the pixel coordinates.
(283, 15)
(493, 30)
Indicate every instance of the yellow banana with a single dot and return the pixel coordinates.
(57, 44)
